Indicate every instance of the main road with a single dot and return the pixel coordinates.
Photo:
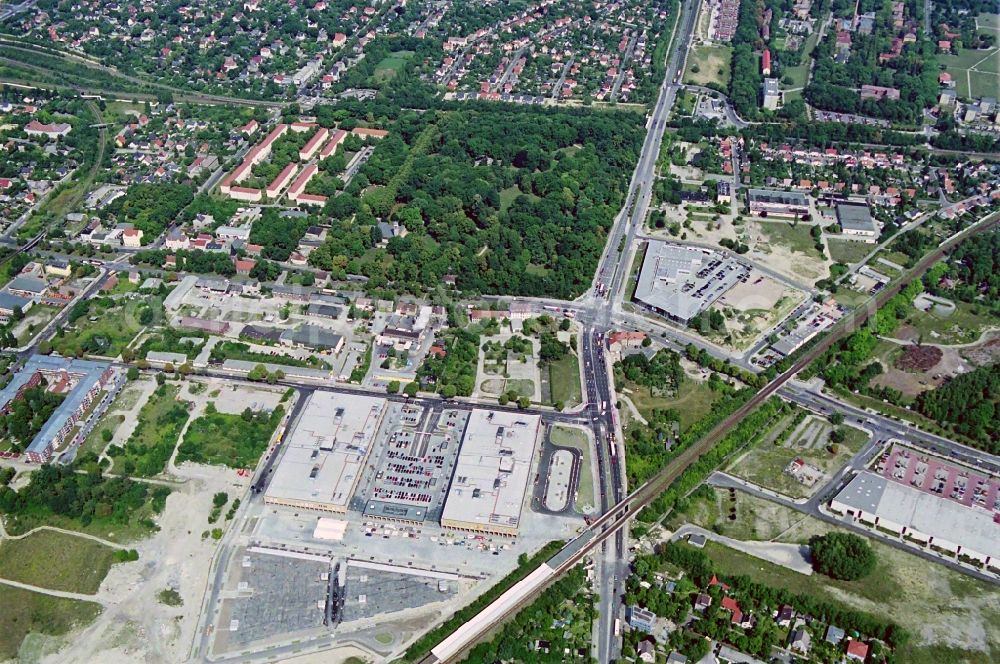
(599, 309)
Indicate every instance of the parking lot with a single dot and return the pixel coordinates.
(271, 596)
(408, 473)
(372, 592)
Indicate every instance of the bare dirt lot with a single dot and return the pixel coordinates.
(135, 625)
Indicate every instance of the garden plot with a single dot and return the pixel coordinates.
(510, 364)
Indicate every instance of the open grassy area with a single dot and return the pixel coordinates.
(391, 64)
(149, 447)
(572, 437)
(564, 380)
(974, 71)
(106, 328)
(965, 325)
(694, 400)
(765, 463)
(56, 561)
(709, 64)
(800, 74)
(23, 612)
(508, 195)
(794, 236)
(229, 440)
(848, 251)
(34, 320)
(988, 21)
(951, 617)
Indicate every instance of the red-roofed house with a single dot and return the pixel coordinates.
(626, 339)
(729, 604)
(857, 650)
(367, 132)
(244, 265)
(132, 237)
(36, 128)
(765, 63)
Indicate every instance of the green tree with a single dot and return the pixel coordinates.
(844, 556)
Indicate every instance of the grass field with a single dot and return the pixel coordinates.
(795, 237)
(392, 63)
(229, 440)
(693, 402)
(951, 617)
(975, 72)
(988, 21)
(713, 64)
(570, 437)
(56, 561)
(23, 612)
(564, 380)
(847, 251)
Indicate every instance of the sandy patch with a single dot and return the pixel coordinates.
(136, 626)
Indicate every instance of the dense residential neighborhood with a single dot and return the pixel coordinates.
(531, 331)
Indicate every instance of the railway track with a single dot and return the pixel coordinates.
(618, 516)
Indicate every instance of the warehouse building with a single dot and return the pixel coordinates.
(856, 221)
(923, 517)
(326, 452)
(680, 282)
(492, 473)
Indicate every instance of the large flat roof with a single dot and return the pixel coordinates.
(855, 217)
(326, 451)
(492, 471)
(776, 196)
(940, 517)
(682, 281)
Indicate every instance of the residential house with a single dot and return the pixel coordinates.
(800, 641)
(132, 238)
(646, 651)
(857, 650)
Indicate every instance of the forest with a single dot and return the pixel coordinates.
(279, 236)
(970, 403)
(63, 491)
(913, 72)
(513, 201)
(150, 207)
(746, 79)
(972, 274)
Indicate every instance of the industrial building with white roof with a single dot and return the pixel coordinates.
(492, 473)
(680, 281)
(923, 517)
(326, 452)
